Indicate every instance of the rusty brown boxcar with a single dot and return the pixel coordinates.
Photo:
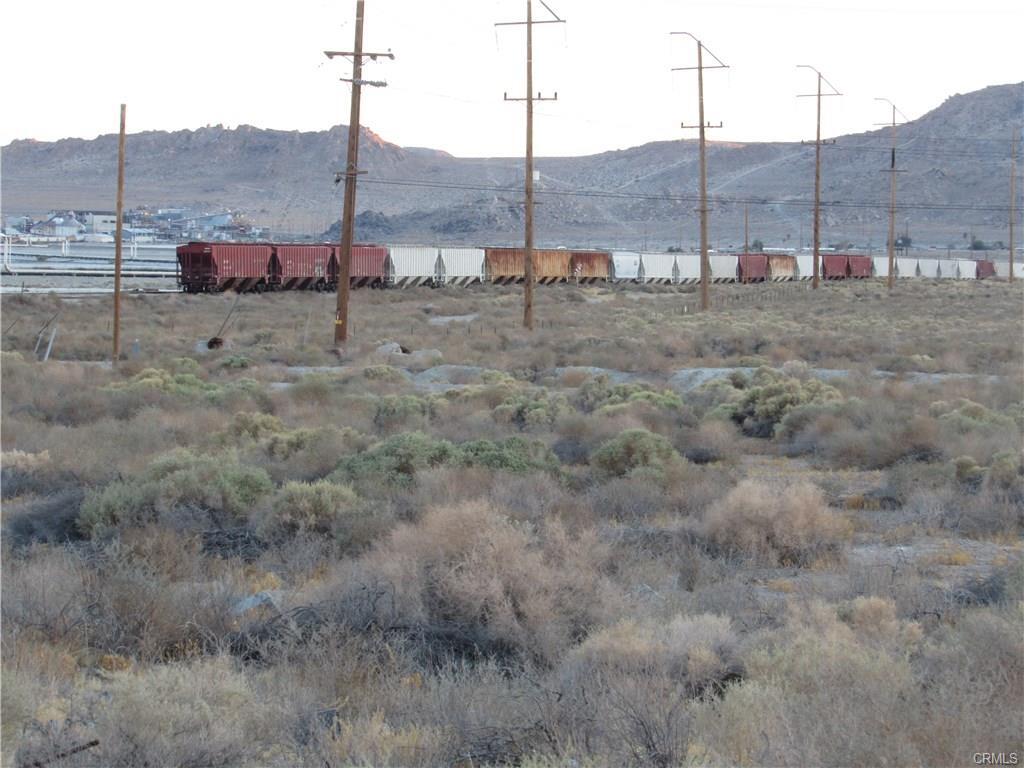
(302, 267)
(204, 267)
(833, 266)
(369, 266)
(859, 266)
(782, 267)
(753, 267)
(508, 265)
(985, 268)
(590, 266)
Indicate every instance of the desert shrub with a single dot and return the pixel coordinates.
(770, 395)
(817, 695)
(512, 455)
(318, 507)
(253, 426)
(305, 453)
(714, 440)
(50, 519)
(402, 411)
(384, 373)
(599, 393)
(700, 651)
(214, 484)
(395, 460)
(625, 692)
(532, 408)
(965, 416)
(140, 719)
(788, 524)
(183, 384)
(631, 450)
(967, 472)
(236, 362)
(470, 582)
(1006, 474)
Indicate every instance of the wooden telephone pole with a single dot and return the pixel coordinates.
(528, 278)
(892, 171)
(348, 212)
(118, 236)
(1013, 196)
(705, 264)
(817, 170)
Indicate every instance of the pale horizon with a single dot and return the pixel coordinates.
(233, 65)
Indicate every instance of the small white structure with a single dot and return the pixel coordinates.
(688, 265)
(724, 268)
(658, 267)
(906, 267)
(805, 266)
(625, 266)
(461, 266)
(1003, 269)
(880, 266)
(98, 222)
(947, 269)
(413, 264)
(928, 267)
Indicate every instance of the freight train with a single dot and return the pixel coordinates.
(207, 267)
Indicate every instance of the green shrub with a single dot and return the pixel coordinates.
(214, 483)
(964, 416)
(253, 426)
(321, 507)
(533, 408)
(384, 373)
(631, 450)
(181, 384)
(395, 461)
(236, 362)
(512, 455)
(396, 411)
(599, 394)
(768, 397)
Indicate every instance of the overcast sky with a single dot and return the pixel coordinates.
(66, 66)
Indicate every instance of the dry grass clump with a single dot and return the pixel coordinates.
(472, 581)
(785, 524)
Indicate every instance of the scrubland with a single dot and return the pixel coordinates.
(503, 548)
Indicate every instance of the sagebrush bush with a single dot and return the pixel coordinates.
(599, 394)
(788, 524)
(631, 450)
(533, 408)
(473, 582)
(210, 484)
(320, 507)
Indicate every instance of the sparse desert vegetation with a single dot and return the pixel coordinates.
(788, 532)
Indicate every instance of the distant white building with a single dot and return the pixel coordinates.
(60, 225)
(98, 222)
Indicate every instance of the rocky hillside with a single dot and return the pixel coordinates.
(956, 155)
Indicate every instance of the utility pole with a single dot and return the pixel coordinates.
(705, 264)
(817, 169)
(891, 280)
(528, 277)
(348, 211)
(1013, 196)
(746, 229)
(119, 232)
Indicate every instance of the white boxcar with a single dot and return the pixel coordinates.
(906, 267)
(1003, 269)
(805, 266)
(658, 267)
(967, 269)
(947, 269)
(413, 264)
(689, 267)
(625, 265)
(928, 267)
(724, 268)
(461, 266)
(881, 266)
